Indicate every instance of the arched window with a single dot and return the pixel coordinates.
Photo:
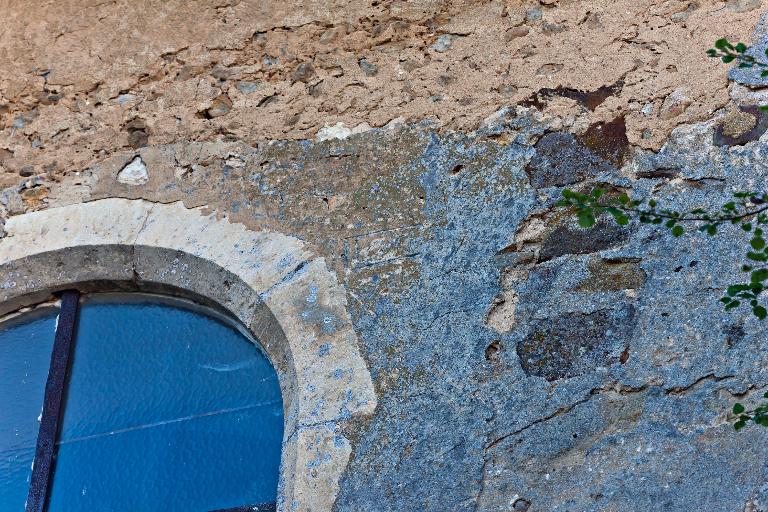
(274, 285)
(166, 406)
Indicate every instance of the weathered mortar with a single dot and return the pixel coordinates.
(520, 363)
(81, 80)
(421, 229)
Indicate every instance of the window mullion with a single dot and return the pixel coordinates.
(52, 406)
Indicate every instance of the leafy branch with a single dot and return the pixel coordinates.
(747, 209)
(758, 415)
(729, 52)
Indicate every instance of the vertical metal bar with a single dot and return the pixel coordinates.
(54, 395)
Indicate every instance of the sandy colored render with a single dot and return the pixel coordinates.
(80, 80)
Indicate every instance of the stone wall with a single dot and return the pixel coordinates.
(519, 363)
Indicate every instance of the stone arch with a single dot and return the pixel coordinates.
(271, 283)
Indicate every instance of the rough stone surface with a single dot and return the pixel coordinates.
(571, 239)
(561, 160)
(504, 343)
(746, 124)
(575, 344)
(518, 361)
(751, 76)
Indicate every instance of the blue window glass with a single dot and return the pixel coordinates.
(168, 407)
(25, 355)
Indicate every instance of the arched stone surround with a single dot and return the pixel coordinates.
(272, 283)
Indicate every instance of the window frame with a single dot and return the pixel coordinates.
(43, 467)
(261, 278)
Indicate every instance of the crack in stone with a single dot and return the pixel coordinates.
(611, 388)
(135, 278)
(286, 278)
(712, 377)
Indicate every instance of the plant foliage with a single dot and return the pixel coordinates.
(747, 209)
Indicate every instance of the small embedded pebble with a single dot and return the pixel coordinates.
(247, 87)
(443, 43)
(516, 32)
(303, 72)
(368, 68)
(738, 123)
(533, 15)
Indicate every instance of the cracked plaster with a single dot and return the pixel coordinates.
(74, 88)
(449, 253)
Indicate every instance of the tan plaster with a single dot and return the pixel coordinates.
(82, 80)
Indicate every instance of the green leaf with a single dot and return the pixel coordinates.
(757, 243)
(722, 44)
(623, 198)
(746, 226)
(738, 408)
(727, 58)
(758, 276)
(677, 231)
(621, 218)
(586, 219)
(739, 424)
(740, 47)
(765, 395)
(736, 288)
(760, 312)
(732, 305)
(652, 203)
(711, 229)
(757, 256)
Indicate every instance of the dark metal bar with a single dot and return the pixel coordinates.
(54, 395)
(264, 507)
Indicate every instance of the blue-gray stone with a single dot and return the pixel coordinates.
(751, 76)
(443, 43)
